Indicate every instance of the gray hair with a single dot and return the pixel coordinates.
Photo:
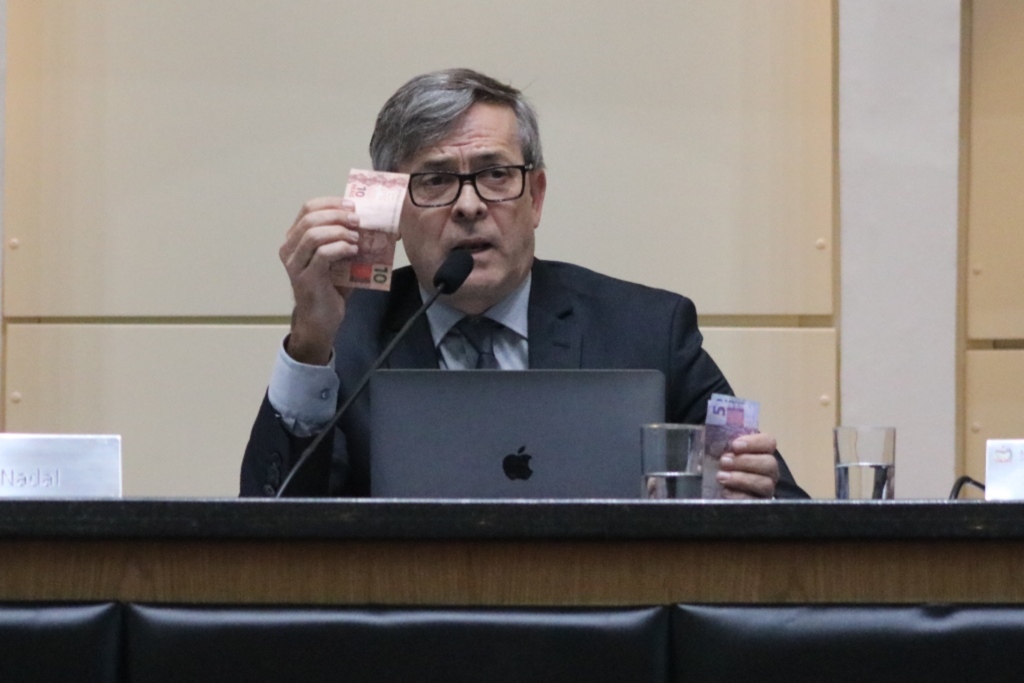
(427, 109)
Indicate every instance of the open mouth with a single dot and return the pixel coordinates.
(475, 246)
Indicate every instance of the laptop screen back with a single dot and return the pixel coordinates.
(510, 434)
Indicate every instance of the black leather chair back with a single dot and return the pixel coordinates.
(199, 644)
(839, 643)
(58, 643)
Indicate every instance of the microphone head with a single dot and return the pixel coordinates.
(454, 271)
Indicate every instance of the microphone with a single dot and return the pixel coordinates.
(451, 274)
(449, 277)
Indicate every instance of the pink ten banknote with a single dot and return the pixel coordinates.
(378, 198)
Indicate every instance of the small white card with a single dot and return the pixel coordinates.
(1004, 469)
(60, 466)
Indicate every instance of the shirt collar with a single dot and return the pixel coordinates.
(512, 312)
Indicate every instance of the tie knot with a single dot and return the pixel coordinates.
(479, 332)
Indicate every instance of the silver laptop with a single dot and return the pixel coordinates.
(510, 434)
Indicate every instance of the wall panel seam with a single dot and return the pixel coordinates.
(149, 320)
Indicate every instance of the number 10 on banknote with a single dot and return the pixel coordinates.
(378, 199)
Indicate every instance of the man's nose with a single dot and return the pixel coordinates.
(468, 205)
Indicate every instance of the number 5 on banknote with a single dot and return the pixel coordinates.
(728, 417)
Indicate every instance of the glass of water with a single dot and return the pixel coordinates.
(865, 462)
(672, 458)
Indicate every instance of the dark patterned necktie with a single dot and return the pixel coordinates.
(479, 332)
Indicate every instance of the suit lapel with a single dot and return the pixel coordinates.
(555, 336)
(416, 351)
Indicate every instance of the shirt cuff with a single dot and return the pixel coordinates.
(305, 396)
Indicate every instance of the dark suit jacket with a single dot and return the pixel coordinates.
(577, 319)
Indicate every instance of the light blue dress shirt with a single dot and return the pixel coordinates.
(511, 343)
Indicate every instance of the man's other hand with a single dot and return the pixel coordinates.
(749, 468)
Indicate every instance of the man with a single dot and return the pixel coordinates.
(472, 147)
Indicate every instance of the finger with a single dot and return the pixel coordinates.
(730, 494)
(748, 475)
(314, 213)
(336, 217)
(319, 247)
(746, 485)
(754, 443)
(754, 463)
(321, 203)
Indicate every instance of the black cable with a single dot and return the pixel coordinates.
(449, 277)
(959, 484)
(306, 454)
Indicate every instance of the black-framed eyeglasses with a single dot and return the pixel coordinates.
(494, 184)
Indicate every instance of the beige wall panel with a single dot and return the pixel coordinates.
(994, 403)
(184, 412)
(156, 152)
(183, 397)
(793, 375)
(996, 209)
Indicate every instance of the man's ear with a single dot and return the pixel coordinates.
(538, 188)
(406, 215)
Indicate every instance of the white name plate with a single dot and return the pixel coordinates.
(1004, 469)
(60, 466)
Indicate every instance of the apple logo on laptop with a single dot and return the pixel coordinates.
(517, 465)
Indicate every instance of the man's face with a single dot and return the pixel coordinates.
(498, 234)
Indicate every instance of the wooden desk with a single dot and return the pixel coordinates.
(364, 552)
